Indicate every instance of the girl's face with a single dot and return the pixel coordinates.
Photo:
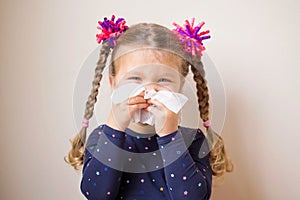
(154, 70)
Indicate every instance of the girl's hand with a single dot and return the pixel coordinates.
(122, 113)
(166, 121)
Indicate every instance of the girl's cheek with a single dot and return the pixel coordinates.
(173, 86)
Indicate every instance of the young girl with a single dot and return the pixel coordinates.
(123, 159)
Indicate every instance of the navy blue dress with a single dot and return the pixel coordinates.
(133, 166)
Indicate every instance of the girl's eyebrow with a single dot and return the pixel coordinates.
(167, 74)
(134, 73)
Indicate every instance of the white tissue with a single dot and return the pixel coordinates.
(172, 100)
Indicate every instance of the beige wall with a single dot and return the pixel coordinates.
(254, 43)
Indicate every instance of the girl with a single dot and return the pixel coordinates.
(123, 159)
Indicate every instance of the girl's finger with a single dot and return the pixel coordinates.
(156, 103)
(139, 106)
(141, 94)
(136, 100)
(135, 107)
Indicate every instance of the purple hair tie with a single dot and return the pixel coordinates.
(110, 30)
(85, 123)
(190, 36)
(207, 123)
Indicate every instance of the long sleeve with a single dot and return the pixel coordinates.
(188, 173)
(102, 166)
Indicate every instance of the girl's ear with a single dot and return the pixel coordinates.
(112, 81)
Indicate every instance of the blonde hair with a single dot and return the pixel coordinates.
(154, 36)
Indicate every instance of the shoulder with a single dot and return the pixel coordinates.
(191, 134)
(94, 136)
(107, 132)
(195, 141)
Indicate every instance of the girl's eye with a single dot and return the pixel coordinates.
(134, 78)
(164, 80)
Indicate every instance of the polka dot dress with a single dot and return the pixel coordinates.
(128, 165)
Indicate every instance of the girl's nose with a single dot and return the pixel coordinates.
(154, 86)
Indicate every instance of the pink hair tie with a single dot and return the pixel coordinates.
(85, 123)
(207, 123)
(190, 36)
(110, 30)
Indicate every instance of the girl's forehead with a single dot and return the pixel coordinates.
(134, 59)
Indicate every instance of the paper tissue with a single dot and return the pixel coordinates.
(172, 100)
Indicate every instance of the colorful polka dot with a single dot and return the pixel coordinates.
(109, 159)
(178, 152)
(172, 175)
(97, 150)
(87, 193)
(154, 154)
(97, 173)
(161, 189)
(173, 138)
(184, 178)
(153, 180)
(129, 147)
(105, 142)
(127, 181)
(142, 180)
(149, 138)
(171, 189)
(108, 193)
(106, 169)
(95, 184)
(146, 148)
(199, 184)
(129, 159)
(185, 192)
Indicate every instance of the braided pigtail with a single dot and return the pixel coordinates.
(219, 161)
(76, 154)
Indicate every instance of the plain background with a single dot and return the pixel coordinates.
(255, 47)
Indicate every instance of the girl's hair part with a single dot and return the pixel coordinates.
(76, 154)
